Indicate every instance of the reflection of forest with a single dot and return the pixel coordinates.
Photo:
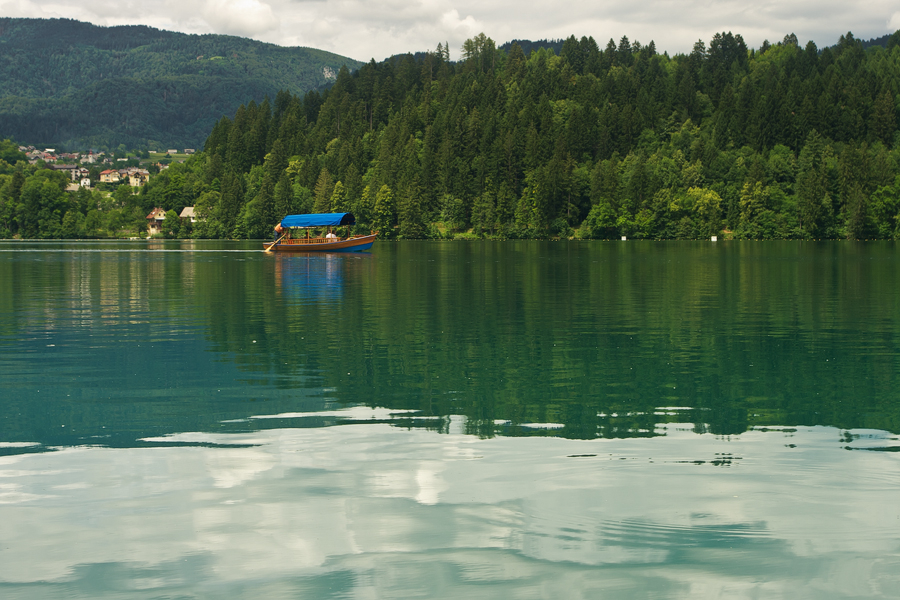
(597, 337)
(604, 339)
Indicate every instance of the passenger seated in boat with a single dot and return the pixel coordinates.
(331, 237)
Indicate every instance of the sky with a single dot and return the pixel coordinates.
(364, 29)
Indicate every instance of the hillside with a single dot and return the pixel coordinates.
(778, 142)
(66, 83)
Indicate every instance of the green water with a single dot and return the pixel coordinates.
(445, 420)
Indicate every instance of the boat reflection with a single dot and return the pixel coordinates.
(313, 277)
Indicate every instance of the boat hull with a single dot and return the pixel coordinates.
(357, 244)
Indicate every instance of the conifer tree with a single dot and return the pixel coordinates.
(284, 197)
(412, 224)
(338, 202)
(884, 118)
(231, 200)
(363, 207)
(384, 214)
(323, 191)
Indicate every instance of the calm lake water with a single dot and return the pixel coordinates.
(450, 420)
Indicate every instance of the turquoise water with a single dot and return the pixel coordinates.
(519, 419)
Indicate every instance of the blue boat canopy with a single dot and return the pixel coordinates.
(319, 220)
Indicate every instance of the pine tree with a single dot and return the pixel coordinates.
(412, 224)
(484, 211)
(231, 200)
(362, 209)
(384, 213)
(884, 118)
(338, 201)
(284, 197)
(323, 191)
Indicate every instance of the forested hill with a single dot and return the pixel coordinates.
(789, 142)
(784, 141)
(68, 83)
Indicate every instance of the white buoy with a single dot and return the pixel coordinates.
(623, 238)
(714, 238)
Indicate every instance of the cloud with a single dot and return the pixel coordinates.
(246, 18)
(379, 28)
(894, 23)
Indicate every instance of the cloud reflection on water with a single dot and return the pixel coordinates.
(376, 511)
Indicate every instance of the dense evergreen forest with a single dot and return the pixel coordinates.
(783, 141)
(64, 83)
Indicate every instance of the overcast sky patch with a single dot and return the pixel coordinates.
(379, 28)
(248, 18)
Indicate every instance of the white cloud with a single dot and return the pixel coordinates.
(894, 23)
(246, 18)
(378, 28)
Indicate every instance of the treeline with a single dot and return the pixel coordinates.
(783, 141)
(66, 83)
(780, 142)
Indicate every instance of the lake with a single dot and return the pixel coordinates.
(528, 419)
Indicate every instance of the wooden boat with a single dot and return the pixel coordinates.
(330, 243)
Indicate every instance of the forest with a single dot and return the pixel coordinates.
(785, 141)
(69, 84)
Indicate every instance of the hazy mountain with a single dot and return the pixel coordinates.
(68, 83)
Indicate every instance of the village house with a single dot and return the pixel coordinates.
(67, 169)
(109, 176)
(156, 218)
(188, 213)
(137, 177)
(35, 155)
(75, 172)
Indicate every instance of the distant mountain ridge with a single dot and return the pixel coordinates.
(68, 83)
